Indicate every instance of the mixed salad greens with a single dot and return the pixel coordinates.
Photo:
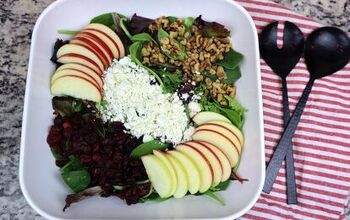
(189, 57)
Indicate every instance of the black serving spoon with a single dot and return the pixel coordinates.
(327, 50)
(282, 61)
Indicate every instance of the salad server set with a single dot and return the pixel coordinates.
(326, 51)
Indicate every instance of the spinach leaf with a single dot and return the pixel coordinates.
(139, 24)
(77, 180)
(172, 19)
(66, 106)
(152, 197)
(232, 75)
(212, 195)
(211, 29)
(73, 164)
(56, 155)
(209, 75)
(234, 111)
(87, 193)
(58, 44)
(107, 19)
(135, 54)
(117, 22)
(148, 147)
(74, 175)
(171, 81)
(222, 186)
(162, 35)
(231, 60)
(143, 37)
(188, 22)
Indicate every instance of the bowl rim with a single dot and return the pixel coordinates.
(25, 114)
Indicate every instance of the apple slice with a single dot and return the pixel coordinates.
(71, 53)
(167, 163)
(76, 87)
(238, 133)
(102, 45)
(93, 46)
(108, 32)
(192, 172)
(158, 174)
(225, 163)
(72, 72)
(221, 141)
(83, 69)
(203, 166)
(202, 117)
(182, 182)
(224, 131)
(211, 157)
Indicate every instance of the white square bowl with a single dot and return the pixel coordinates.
(39, 177)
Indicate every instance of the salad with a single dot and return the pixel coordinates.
(145, 109)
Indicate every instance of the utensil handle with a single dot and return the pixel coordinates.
(281, 149)
(290, 171)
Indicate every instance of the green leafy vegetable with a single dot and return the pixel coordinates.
(56, 155)
(211, 29)
(67, 32)
(234, 176)
(232, 75)
(74, 175)
(172, 19)
(66, 106)
(148, 147)
(153, 197)
(135, 54)
(85, 194)
(139, 24)
(171, 81)
(231, 60)
(222, 186)
(233, 111)
(212, 195)
(188, 22)
(162, 35)
(143, 37)
(108, 19)
(77, 180)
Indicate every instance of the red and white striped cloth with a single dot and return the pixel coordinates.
(322, 140)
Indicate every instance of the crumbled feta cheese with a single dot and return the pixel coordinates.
(133, 98)
(194, 108)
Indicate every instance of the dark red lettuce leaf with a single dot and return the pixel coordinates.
(211, 29)
(87, 193)
(139, 24)
(58, 44)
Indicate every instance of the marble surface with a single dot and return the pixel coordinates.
(17, 18)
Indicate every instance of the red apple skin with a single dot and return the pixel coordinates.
(84, 58)
(217, 132)
(99, 41)
(92, 47)
(205, 159)
(89, 69)
(212, 152)
(89, 81)
(101, 32)
(214, 124)
(90, 77)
